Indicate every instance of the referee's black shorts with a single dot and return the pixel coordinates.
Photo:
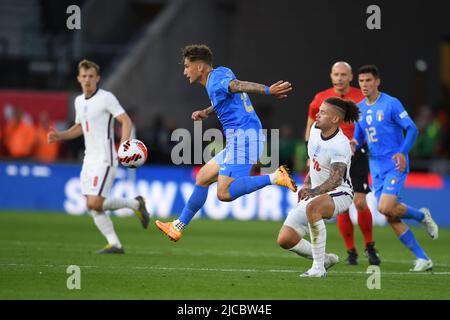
(359, 171)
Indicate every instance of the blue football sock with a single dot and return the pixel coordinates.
(413, 213)
(246, 185)
(195, 202)
(411, 243)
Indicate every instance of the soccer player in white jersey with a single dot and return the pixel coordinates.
(327, 189)
(95, 112)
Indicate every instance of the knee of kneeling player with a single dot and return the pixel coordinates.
(285, 241)
(313, 210)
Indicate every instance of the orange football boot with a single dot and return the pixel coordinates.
(169, 229)
(282, 178)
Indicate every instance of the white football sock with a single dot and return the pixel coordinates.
(105, 225)
(303, 248)
(119, 203)
(318, 234)
(179, 225)
(272, 177)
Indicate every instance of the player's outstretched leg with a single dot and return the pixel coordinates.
(248, 184)
(207, 175)
(175, 228)
(142, 212)
(282, 178)
(137, 204)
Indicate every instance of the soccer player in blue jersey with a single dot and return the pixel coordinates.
(382, 125)
(243, 131)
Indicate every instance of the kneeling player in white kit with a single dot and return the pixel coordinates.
(327, 190)
(95, 112)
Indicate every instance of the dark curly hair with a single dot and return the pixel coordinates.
(196, 52)
(348, 108)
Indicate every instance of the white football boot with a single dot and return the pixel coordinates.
(430, 226)
(330, 260)
(314, 272)
(421, 265)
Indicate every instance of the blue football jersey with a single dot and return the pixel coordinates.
(234, 110)
(381, 125)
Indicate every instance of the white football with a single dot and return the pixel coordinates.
(132, 153)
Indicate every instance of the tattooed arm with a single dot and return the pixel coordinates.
(337, 173)
(278, 89)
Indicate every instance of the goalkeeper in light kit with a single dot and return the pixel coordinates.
(383, 120)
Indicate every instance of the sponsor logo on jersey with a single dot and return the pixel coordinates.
(380, 115)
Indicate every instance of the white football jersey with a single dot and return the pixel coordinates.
(323, 152)
(96, 115)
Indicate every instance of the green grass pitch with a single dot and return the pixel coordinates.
(214, 260)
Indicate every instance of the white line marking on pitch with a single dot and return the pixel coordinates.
(202, 252)
(219, 269)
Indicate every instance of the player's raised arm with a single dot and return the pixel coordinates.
(278, 89)
(73, 132)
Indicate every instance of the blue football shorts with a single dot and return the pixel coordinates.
(236, 160)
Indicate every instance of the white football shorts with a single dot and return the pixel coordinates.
(297, 220)
(97, 179)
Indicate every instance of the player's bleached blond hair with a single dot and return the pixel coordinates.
(87, 64)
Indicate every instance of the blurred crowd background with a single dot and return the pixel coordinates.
(137, 45)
